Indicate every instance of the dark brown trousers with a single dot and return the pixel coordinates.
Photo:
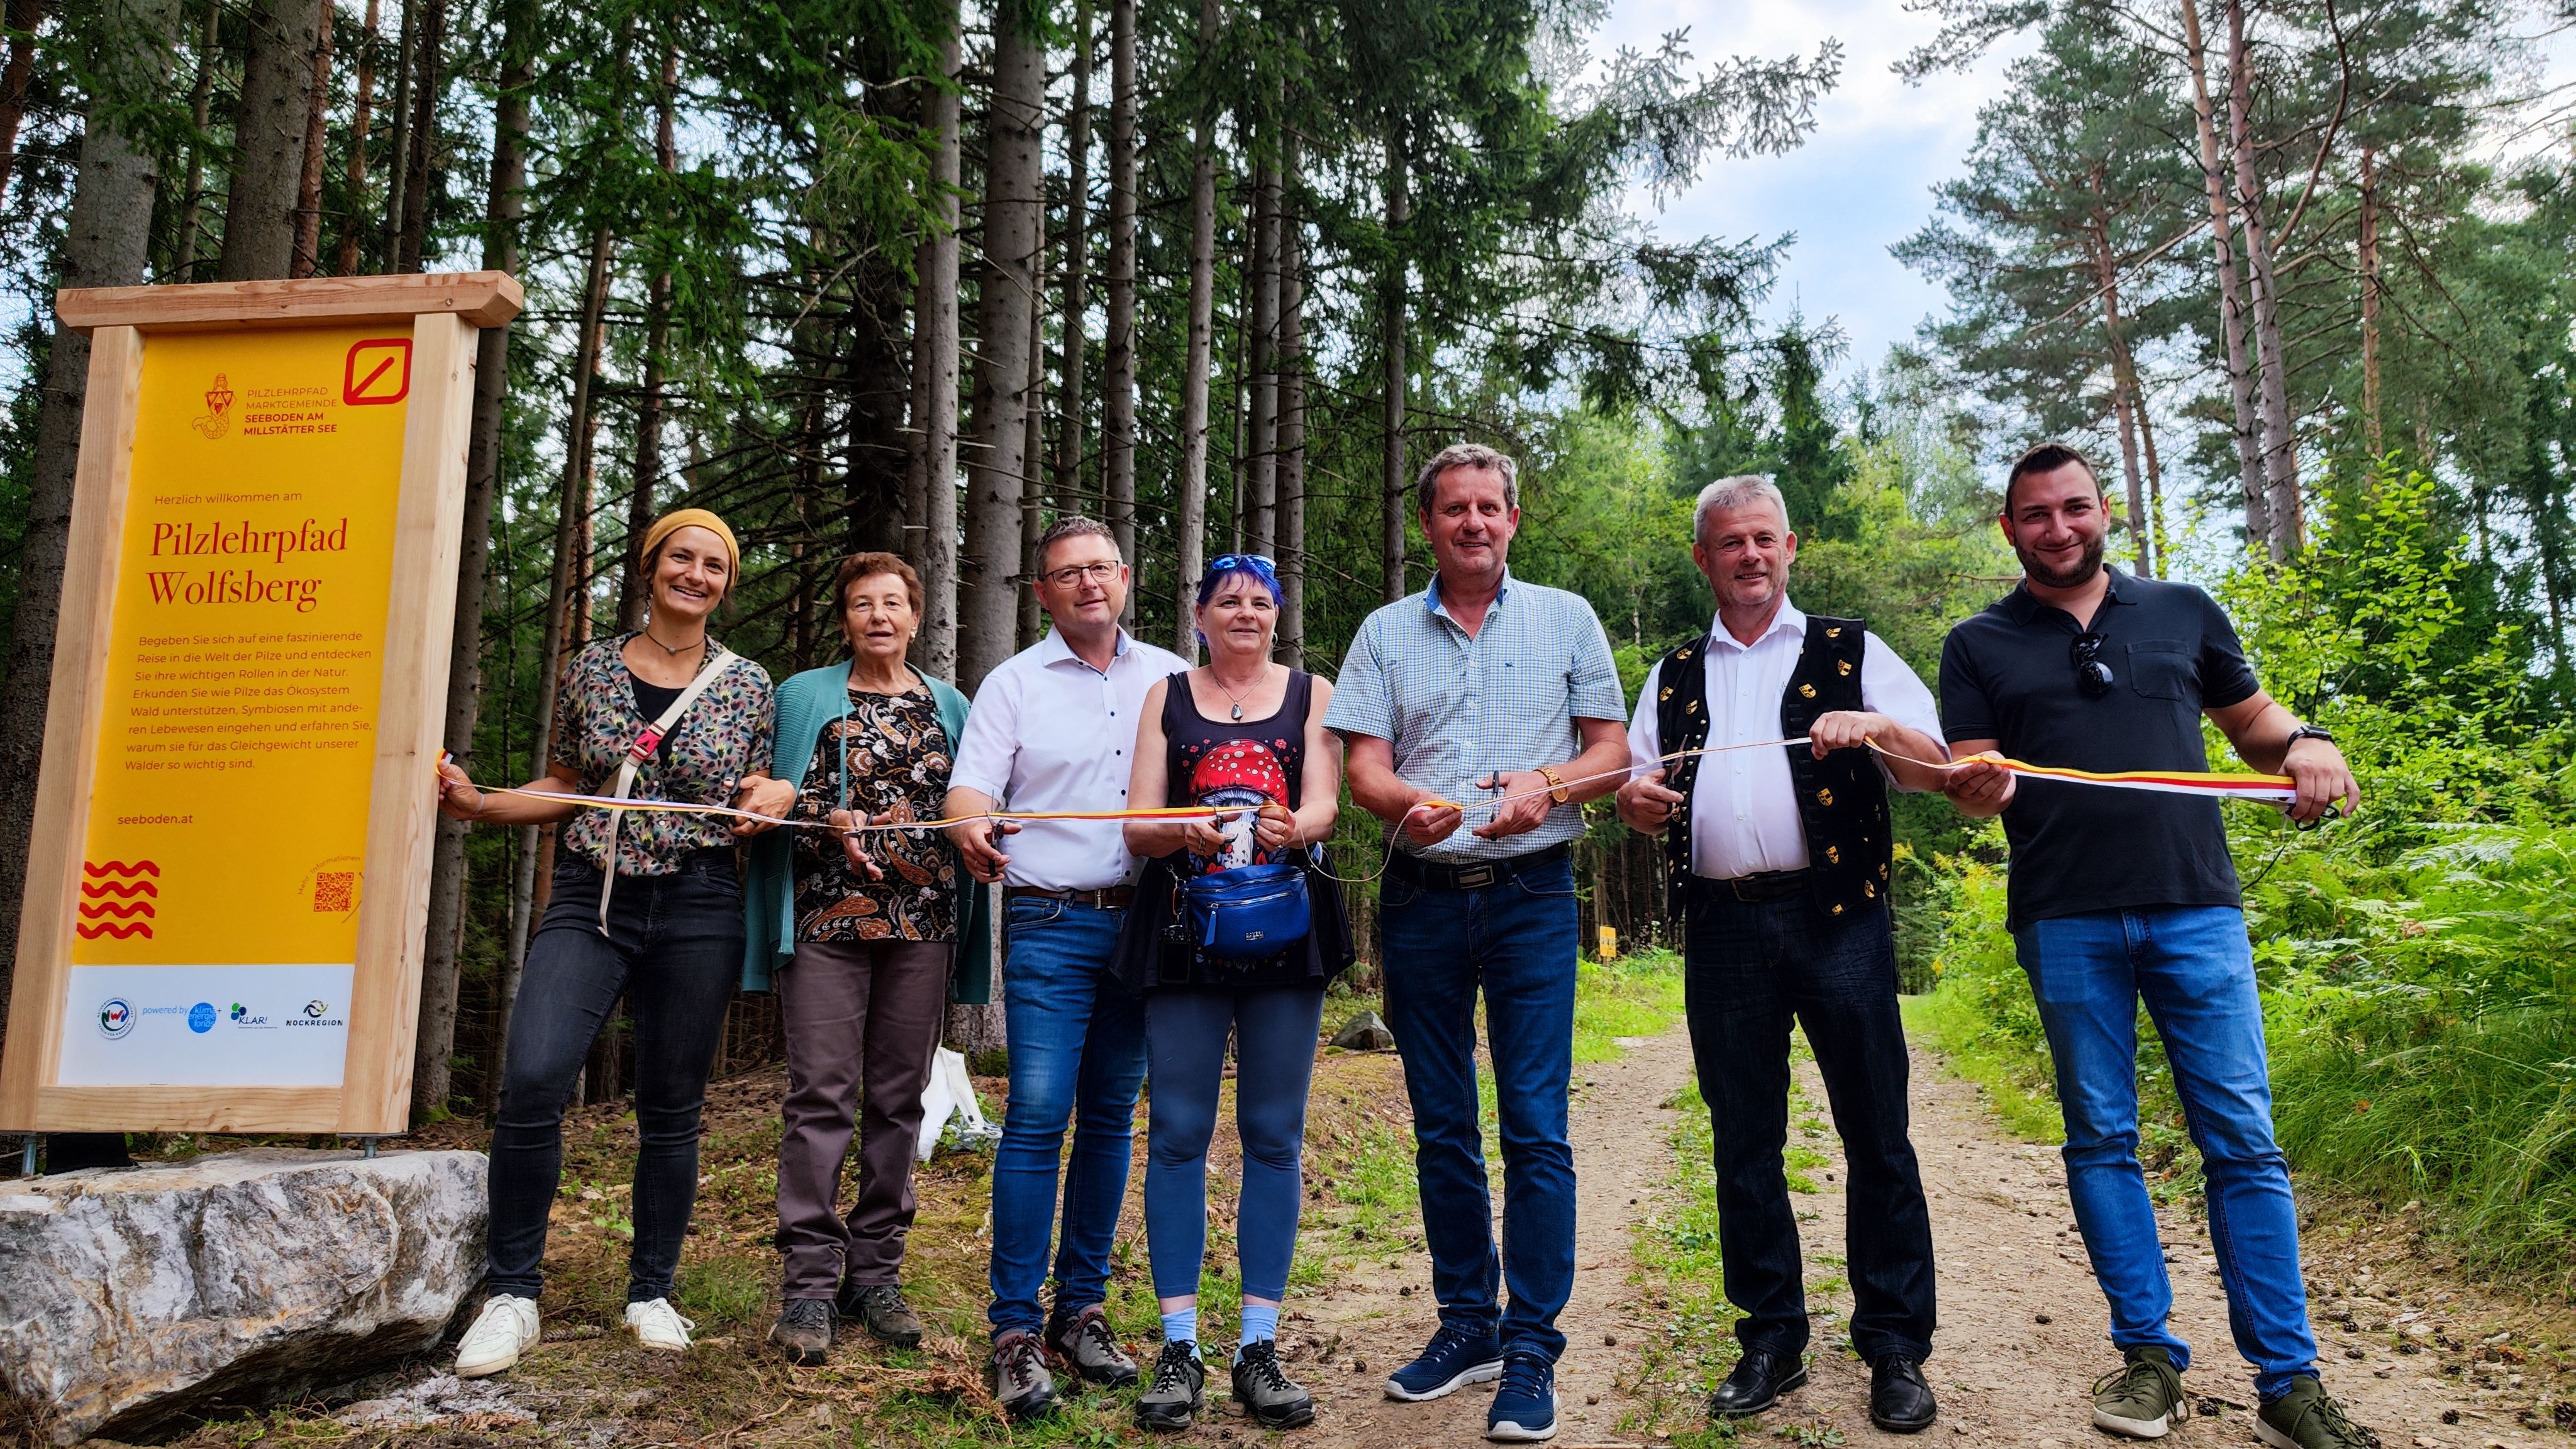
(860, 1014)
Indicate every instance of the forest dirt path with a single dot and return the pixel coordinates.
(2024, 1329)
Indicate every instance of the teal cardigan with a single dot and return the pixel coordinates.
(806, 703)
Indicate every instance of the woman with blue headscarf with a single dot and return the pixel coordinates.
(1245, 736)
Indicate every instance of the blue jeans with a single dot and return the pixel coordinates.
(1516, 941)
(1753, 966)
(2193, 969)
(1077, 1046)
(1185, 1035)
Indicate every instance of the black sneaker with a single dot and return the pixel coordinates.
(1172, 1402)
(1020, 1378)
(1266, 1392)
(805, 1328)
(1082, 1342)
(1453, 1359)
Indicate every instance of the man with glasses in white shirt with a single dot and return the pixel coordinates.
(1053, 728)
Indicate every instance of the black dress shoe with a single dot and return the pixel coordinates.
(1900, 1402)
(1760, 1378)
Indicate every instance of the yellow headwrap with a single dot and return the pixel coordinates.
(680, 518)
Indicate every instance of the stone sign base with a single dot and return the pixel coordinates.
(132, 1296)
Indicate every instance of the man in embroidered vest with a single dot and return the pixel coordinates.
(2122, 896)
(1484, 684)
(1779, 864)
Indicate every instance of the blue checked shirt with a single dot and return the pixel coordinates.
(1456, 708)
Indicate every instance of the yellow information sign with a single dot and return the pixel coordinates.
(232, 844)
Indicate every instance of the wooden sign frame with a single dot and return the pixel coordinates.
(443, 313)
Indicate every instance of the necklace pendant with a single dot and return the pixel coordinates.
(1238, 712)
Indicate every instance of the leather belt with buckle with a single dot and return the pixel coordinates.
(1474, 876)
(1112, 898)
(1769, 885)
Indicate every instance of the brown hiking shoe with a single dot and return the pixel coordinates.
(880, 1309)
(805, 1329)
(1083, 1343)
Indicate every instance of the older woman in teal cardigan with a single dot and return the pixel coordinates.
(867, 938)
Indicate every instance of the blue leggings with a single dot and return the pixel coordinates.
(1185, 1034)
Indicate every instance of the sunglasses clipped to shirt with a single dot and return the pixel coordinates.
(2093, 678)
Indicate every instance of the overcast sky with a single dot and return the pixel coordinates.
(1864, 179)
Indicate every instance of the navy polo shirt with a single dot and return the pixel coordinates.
(2008, 674)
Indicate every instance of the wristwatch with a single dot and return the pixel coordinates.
(2308, 732)
(1558, 790)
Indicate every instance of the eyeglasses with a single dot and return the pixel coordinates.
(1260, 563)
(1099, 571)
(2093, 678)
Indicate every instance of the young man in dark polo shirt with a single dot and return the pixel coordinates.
(2120, 895)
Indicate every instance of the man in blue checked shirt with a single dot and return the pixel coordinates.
(1479, 687)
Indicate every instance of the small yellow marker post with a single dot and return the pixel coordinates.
(1609, 948)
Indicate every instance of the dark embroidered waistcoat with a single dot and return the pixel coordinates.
(1842, 799)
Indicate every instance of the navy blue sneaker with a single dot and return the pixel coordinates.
(1453, 1359)
(1524, 1408)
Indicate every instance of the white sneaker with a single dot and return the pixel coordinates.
(659, 1325)
(505, 1329)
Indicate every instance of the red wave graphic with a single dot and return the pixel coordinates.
(118, 867)
(121, 889)
(109, 928)
(95, 909)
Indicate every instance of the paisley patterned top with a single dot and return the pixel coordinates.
(888, 755)
(723, 737)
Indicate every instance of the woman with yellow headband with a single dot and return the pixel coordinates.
(646, 905)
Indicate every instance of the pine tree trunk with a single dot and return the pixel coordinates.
(424, 137)
(268, 137)
(1024, 599)
(1191, 545)
(398, 144)
(995, 472)
(307, 254)
(1292, 419)
(635, 592)
(1077, 267)
(2373, 440)
(2155, 473)
(187, 243)
(105, 242)
(1261, 456)
(2280, 444)
(935, 316)
(2124, 398)
(1118, 400)
(2231, 307)
(434, 1041)
(24, 17)
(1391, 347)
(359, 121)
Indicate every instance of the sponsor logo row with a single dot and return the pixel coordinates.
(117, 1017)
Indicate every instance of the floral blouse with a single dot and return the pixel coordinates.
(724, 736)
(888, 755)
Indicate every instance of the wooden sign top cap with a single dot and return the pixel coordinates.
(484, 299)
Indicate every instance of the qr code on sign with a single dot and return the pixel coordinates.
(335, 891)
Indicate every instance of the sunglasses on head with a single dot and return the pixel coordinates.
(1259, 563)
(2093, 678)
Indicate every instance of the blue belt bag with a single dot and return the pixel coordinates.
(1249, 912)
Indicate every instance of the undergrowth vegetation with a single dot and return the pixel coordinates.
(2418, 962)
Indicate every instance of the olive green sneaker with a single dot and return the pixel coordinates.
(2142, 1398)
(2307, 1418)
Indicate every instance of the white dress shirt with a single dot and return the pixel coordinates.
(1744, 808)
(1049, 732)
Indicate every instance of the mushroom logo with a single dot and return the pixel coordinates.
(1238, 773)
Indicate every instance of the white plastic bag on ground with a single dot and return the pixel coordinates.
(951, 1093)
